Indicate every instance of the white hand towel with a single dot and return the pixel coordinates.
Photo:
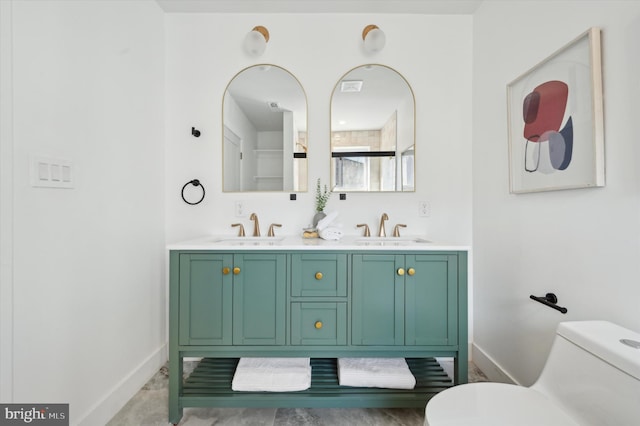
(391, 373)
(272, 375)
(326, 221)
(331, 233)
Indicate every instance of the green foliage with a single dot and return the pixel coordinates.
(321, 196)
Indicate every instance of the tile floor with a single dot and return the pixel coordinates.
(149, 407)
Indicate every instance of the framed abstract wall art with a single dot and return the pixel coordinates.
(555, 116)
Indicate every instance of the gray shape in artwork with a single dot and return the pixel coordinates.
(561, 146)
(556, 149)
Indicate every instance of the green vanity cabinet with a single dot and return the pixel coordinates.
(234, 299)
(324, 303)
(405, 299)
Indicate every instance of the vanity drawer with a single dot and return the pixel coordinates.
(318, 323)
(319, 275)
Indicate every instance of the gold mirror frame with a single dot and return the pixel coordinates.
(373, 122)
(264, 131)
(367, 156)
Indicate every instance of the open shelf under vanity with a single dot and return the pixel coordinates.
(210, 385)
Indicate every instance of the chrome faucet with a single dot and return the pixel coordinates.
(256, 225)
(382, 232)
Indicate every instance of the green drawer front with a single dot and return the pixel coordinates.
(321, 275)
(316, 323)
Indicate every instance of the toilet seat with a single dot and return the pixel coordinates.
(494, 404)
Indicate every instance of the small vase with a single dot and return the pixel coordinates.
(318, 217)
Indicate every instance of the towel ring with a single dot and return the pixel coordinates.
(194, 182)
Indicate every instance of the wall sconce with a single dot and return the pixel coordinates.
(256, 41)
(374, 39)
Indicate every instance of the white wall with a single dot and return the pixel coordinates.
(581, 244)
(6, 207)
(87, 276)
(204, 52)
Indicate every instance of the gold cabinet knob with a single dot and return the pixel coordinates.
(411, 271)
(318, 275)
(400, 271)
(318, 325)
(236, 270)
(226, 270)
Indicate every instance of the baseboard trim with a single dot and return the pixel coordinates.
(116, 398)
(490, 367)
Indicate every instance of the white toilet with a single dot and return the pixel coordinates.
(591, 378)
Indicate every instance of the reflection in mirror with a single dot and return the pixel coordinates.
(372, 131)
(408, 160)
(264, 117)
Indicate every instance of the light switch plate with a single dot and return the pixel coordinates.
(47, 172)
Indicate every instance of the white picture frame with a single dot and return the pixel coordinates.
(555, 120)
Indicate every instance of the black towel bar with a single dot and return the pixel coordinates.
(550, 300)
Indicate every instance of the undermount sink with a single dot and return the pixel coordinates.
(391, 241)
(249, 241)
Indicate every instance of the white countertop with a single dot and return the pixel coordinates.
(287, 243)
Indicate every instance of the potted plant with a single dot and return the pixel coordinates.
(322, 196)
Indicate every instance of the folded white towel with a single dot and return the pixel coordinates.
(272, 375)
(331, 233)
(391, 373)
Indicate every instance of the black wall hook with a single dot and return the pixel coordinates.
(194, 182)
(550, 300)
(195, 132)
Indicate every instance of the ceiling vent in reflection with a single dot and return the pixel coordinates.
(347, 86)
(274, 106)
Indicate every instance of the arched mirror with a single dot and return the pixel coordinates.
(264, 122)
(372, 131)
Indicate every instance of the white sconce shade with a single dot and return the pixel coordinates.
(374, 38)
(255, 42)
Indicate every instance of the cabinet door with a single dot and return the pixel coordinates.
(205, 300)
(431, 300)
(259, 299)
(378, 300)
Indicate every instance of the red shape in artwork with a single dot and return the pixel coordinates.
(543, 110)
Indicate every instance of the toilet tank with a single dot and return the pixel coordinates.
(593, 375)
